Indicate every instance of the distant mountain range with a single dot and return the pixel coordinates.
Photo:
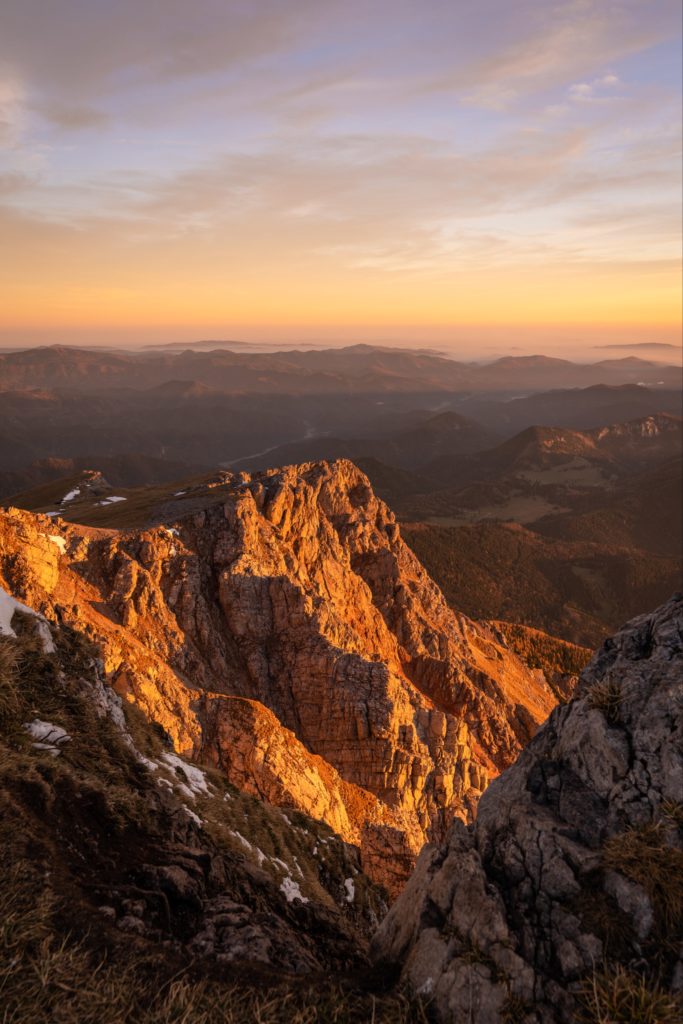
(656, 345)
(566, 531)
(200, 410)
(565, 454)
(357, 369)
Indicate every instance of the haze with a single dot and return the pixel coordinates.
(483, 177)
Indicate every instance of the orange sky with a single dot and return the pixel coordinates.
(467, 178)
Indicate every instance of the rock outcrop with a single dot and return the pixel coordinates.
(564, 901)
(287, 635)
(126, 840)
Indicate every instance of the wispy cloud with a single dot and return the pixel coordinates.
(534, 47)
(598, 90)
(12, 112)
(340, 138)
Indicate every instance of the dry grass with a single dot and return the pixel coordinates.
(27, 674)
(316, 858)
(48, 978)
(606, 696)
(514, 1009)
(538, 650)
(617, 996)
(644, 856)
(68, 822)
(672, 813)
(601, 915)
(10, 701)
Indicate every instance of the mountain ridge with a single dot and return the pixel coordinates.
(354, 367)
(294, 590)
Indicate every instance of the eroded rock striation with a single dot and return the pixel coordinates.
(569, 886)
(288, 636)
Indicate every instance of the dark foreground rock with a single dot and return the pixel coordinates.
(564, 901)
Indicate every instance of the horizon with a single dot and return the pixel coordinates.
(486, 179)
(656, 353)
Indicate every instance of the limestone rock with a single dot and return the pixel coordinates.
(575, 858)
(289, 636)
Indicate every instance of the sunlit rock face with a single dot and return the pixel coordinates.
(288, 636)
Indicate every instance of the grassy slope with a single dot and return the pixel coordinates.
(84, 829)
(574, 590)
(560, 661)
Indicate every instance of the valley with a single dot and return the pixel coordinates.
(580, 485)
(277, 681)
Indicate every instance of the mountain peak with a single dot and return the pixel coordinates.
(295, 591)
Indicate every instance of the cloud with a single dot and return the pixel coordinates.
(72, 117)
(490, 53)
(352, 180)
(67, 45)
(277, 138)
(539, 46)
(594, 91)
(580, 91)
(387, 203)
(12, 112)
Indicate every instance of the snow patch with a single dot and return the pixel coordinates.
(71, 495)
(47, 736)
(43, 631)
(57, 540)
(194, 817)
(238, 835)
(8, 606)
(111, 500)
(350, 890)
(260, 855)
(178, 494)
(196, 780)
(291, 890)
(151, 766)
(108, 704)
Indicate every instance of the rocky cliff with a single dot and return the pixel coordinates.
(136, 886)
(288, 637)
(564, 901)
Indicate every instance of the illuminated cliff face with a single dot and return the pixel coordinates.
(287, 636)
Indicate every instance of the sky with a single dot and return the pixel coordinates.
(481, 175)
